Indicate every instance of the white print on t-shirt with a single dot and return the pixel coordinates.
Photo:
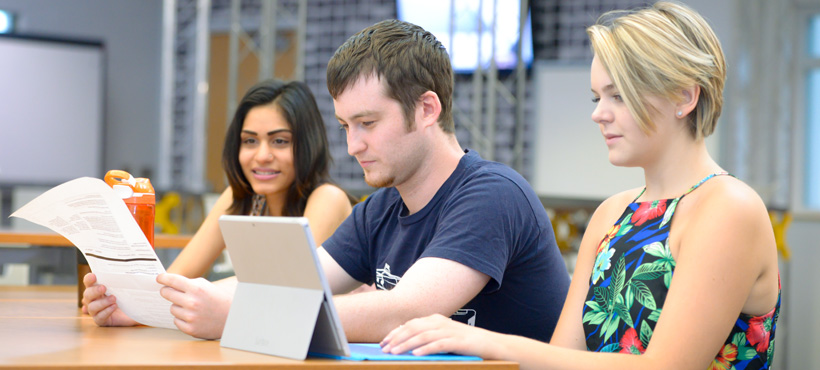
(465, 315)
(385, 280)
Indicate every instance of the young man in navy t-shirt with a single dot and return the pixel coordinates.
(448, 232)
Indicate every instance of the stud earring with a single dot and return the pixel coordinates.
(680, 113)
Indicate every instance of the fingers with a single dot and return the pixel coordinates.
(430, 335)
(186, 321)
(174, 296)
(197, 324)
(175, 281)
(393, 337)
(101, 308)
(182, 314)
(89, 279)
(92, 291)
(416, 341)
(198, 306)
(415, 333)
(184, 327)
(101, 317)
(436, 346)
(95, 303)
(175, 289)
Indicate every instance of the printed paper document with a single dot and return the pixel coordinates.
(88, 213)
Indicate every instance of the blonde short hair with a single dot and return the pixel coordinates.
(661, 50)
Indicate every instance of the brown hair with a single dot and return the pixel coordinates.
(409, 59)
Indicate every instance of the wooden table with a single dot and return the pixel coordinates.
(49, 239)
(41, 328)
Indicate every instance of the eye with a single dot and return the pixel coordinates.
(279, 141)
(596, 99)
(617, 97)
(249, 141)
(343, 127)
(368, 123)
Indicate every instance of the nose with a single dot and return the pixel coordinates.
(264, 154)
(600, 114)
(355, 142)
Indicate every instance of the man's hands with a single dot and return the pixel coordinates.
(102, 308)
(200, 308)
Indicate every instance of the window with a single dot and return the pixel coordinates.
(811, 141)
(434, 16)
(6, 22)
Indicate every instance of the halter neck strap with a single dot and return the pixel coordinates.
(693, 187)
(724, 173)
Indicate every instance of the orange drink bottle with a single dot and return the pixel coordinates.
(139, 197)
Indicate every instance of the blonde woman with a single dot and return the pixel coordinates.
(683, 271)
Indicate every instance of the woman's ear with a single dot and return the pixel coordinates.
(428, 109)
(689, 100)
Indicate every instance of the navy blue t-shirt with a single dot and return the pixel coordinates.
(486, 217)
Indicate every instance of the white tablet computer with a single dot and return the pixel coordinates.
(283, 305)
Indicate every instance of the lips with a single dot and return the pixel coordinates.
(264, 173)
(365, 164)
(611, 139)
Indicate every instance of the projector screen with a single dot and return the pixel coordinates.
(51, 110)
(434, 16)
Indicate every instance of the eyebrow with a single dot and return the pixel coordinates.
(274, 132)
(606, 88)
(359, 115)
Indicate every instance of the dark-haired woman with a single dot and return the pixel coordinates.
(276, 159)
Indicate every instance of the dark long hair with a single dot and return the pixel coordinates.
(311, 158)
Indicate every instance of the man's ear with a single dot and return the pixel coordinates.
(428, 109)
(689, 100)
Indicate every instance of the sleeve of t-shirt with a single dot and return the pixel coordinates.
(480, 225)
(349, 245)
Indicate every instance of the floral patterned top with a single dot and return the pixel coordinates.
(629, 283)
(258, 205)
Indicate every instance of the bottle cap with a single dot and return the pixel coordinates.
(133, 190)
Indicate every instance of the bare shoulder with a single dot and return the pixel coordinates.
(730, 199)
(727, 221)
(228, 192)
(328, 192)
(329, 196)
(220, 207)
(728, 211)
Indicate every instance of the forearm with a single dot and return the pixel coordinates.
(227, 284)
(430, 286)
(188, 265)
(532, 354)
(196, 259)
(368, 317)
